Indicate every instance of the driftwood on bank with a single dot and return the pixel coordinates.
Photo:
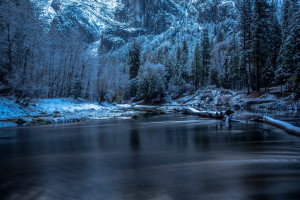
(280, 124)
(208, 114)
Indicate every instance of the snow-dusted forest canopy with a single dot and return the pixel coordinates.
(118, 50)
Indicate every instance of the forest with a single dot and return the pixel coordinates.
(255, 49)
(149, 99)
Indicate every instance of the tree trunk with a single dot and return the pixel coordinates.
(289, 128)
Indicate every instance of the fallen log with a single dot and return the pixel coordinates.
(228, 119)
(280, 124)
(207, 114)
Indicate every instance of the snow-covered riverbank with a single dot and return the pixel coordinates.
(215, 99)
(47, 111)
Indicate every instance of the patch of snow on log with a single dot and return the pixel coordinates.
(193, 110)
(284, 125)
(208, 114)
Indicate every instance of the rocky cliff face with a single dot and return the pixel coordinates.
(152, 15)
(115, 21)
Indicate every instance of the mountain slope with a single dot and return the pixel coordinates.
(115, 21)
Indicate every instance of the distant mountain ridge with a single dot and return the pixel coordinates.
(115, 21)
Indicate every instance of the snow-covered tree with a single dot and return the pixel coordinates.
(151, 84)
(260, 39)
(205, 57)
(196, 67)
(245, 24)
(289, 55)
(134, 60)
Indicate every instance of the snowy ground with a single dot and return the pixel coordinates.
(47, 111)
(222, 99)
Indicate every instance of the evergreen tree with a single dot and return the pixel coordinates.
(169, 68)
(178, 75)
(134, 61)
(233, 64)
(260, 40)
(289, 55)
(151, 88)
(185, 52)
(196, 67)
(275, 36)
(160, 56)
(268, 73)
(184, 60)
(220, 36)
(285, 18)
(245, 22)
(205, 55)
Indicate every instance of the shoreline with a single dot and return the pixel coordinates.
(68, 110)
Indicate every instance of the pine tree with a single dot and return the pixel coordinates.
(233, 64)
(184, 60)
(169, 68)
(178, 75)
(134, 60)
(205, 55)
(293, 41)
(159, 57)
(260, 47)
(196, 67)
(220, 36)
(281, 73)
(152, 89)
(245, 22)
(289, 55)
(268, 73)
(275, 36)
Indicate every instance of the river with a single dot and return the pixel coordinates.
(168, 157)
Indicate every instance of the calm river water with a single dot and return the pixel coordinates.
(160, 157)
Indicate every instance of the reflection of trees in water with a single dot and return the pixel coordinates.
(201, 137)
(177, 137)
(135, 140)
(182, 137)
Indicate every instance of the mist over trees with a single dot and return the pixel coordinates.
(256, 48)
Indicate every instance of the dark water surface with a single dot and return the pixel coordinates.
(162, 157)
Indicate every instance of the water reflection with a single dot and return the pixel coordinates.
(134, 140)
(165, 157)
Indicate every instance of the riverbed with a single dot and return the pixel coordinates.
(153, 157)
